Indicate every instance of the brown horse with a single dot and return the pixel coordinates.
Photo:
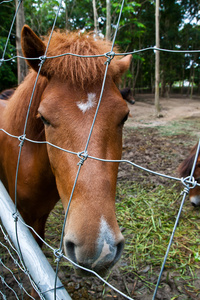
(127, 95)
(62, 112)
(185, 170)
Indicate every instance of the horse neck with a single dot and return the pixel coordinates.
(17, 107)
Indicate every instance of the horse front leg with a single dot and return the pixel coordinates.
(39, 227)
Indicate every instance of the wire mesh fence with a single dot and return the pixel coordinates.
(8, 252)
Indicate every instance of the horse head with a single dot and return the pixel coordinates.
(92, 236)
(185, 169)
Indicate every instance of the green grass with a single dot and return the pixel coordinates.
(147, 216)
(186, 126)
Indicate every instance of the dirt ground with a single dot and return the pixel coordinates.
(144, 145)
(177, 107)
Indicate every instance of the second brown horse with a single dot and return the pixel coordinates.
(185, 169)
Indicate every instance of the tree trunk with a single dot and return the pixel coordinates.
(192, 82)
(168, 90)
(136, 75)
(182, 80)
(163, 84)
(157, 61)
(108, 20)
(66, 16)
(96, 23)
(21, 63)
(198, 92)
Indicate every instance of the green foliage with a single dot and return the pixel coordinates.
(136, 31)
(8, 70)
(191, 8)
(40, 15)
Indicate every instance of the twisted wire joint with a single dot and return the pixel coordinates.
(189, 184)
(83, 156)
(15, 216)
(42, 59)
(21, 138)
(58, 254)
(110, 55)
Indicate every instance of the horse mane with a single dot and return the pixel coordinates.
(186, 166)
(18, 103)
(81, 71)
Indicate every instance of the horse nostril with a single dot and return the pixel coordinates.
(194, 204)
(120, 247)
(70, 250)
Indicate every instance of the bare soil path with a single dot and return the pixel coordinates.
(174, 108)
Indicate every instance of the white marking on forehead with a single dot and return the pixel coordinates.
(91, 102)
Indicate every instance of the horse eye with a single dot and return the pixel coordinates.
(125, 119)
(44, 120)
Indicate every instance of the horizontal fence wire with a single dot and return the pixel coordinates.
(188, 182)
(154, 48)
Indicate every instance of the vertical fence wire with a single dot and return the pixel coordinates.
(27, 116)
(89, 137)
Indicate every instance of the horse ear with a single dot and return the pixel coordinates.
(32, 47)
(120, 66)
(124, 64)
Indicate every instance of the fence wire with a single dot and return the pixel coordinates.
(9, 257)
(15, 255)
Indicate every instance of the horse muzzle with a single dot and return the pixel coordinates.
(195, 200)
(99, 255)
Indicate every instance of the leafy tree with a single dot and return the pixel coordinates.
(171, 17)
(136, 31)
(133, 35)
(40, 15)
(191, 8)
(8, 70)
(190, 39)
